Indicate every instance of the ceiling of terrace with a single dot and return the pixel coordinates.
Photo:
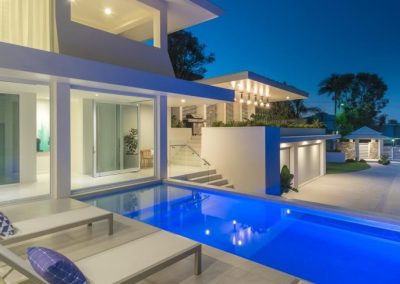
(115, 16)
(133, 19)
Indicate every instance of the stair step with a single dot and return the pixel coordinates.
(206, 178)
(219, 182)
(201, 173)
(229, 186)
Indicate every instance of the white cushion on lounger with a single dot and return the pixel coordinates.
(50, 222)
(120, 263)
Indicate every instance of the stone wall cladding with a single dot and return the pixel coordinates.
(348, 149)
(373, 150)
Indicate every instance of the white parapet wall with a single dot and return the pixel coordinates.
(247, 156)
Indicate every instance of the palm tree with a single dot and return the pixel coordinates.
(336, 86)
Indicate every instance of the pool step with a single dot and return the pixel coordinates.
(201, 174)
(219, 182)
(206, 178)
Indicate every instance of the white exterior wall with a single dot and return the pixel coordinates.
(245, 156)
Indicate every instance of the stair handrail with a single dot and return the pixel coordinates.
(194, 151)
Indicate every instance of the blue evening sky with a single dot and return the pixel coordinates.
(304, 41)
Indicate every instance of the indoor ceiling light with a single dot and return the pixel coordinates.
(107, 11)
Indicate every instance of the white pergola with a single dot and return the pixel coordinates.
(366, 133)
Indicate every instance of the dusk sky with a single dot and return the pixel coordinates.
(304, 41)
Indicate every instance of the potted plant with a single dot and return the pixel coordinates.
(131, 143)
(286, 180)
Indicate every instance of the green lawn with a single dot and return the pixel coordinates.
(335, 168)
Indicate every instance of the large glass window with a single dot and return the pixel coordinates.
(112, 139)
(24, 141)
(26, 23)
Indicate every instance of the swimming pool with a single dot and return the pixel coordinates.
(311, 246)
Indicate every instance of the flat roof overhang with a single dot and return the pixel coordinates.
(294, 139)
(254, 84)
(27, 64)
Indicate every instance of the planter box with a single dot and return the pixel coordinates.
(335, 157)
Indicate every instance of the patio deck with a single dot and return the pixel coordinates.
(218, 266)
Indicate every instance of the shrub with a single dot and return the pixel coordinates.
(286, 180)
(350, 161)
(362, 161)
(384, 160)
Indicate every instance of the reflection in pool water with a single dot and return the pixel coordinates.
(311, 247)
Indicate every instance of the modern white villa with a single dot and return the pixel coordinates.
(112, 170)
(88, 91)
(84, 92)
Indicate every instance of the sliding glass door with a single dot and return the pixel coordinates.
(116, 138)
(9, 139)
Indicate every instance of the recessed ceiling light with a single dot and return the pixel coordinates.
(183, 101)
(107, 11)
(96, 95)
(288, 98)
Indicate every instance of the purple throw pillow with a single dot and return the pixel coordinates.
(54, 267)
(6, 228)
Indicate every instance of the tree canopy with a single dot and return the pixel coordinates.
(361, 97)
(188, 56)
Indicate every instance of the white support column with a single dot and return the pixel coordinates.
(60, 140)
(357, 149)
(162, 137)
(160, 33)
(180, 113)
(323, 157)
(293, 157)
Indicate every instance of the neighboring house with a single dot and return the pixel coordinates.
(84, 88)
(363, 143)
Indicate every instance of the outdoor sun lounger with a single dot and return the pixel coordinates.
(127, 263)
(54, 223)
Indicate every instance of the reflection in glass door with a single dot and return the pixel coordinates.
(116, 138)
(9, 139)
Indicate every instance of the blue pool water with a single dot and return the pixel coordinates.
(314, 248)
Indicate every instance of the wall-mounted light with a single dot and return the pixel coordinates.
(248, 99)
(267, 105)
(241, 98)
(266, 90)
(255, 100)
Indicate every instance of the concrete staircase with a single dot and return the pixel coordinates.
(188, 157)
(209, 177)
